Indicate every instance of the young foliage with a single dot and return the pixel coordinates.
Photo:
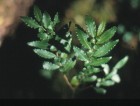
(91, 27)
(106, 48)
(37, 13)
(82, 36)
(44, 53)
(61, 55)
(107, 35)
(30, 22)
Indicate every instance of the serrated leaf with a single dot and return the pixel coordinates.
(30, 22)
(107, 83)
(100, 90)
(103, 50)
(121, 63)
(50, 66)
(82, 37)
(68, 65)
(100, 61)
(101, 28)
(80, 54)
(91, 26)
(43, 36)
(38, 44)
(56, 19)
(107, 35)
(46, 20)
(44, 53)
(37, 13)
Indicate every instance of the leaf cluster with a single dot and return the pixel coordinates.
(96, 44)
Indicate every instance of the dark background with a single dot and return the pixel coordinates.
(19, 66)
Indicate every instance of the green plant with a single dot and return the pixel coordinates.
(95, 44)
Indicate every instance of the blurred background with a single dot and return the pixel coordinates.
(19, 66)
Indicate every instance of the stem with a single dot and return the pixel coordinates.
(68, 83)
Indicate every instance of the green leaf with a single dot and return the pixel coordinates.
(53, 48)
(68, 65)
(50, 66)
(82, 37)
(63, 41)
(90, 79)
(30, 22)
(100, 61)
(56, 20)
(101, 28)
(111, 74)
(118, 66)
(46, 20)
(44, 36)
(100, 90)
(107, 35)
(121, 63)
(38, 44)
(41, 30)
(63, 55)
(47, 73)
(107, 83)
(75, 82)
(80, 54)
(116, 78)
(91, 26)
(103, 50)
(44, 54)
(106, 68)
(37, 13)
(91, 71)
(68, 47)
